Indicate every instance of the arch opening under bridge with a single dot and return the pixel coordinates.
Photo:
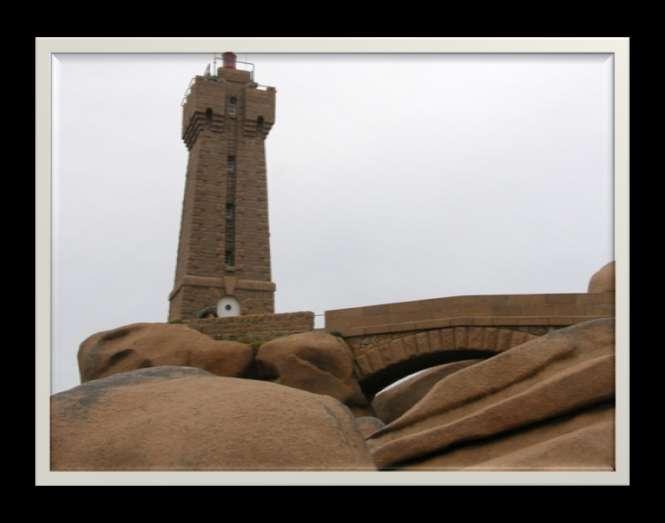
(374, 383)
(377, 366)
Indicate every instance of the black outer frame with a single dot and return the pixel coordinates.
(427, 27)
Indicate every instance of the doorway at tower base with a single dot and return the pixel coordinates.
(254, 328)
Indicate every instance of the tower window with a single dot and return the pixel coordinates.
(232, 106)
(230, 209)
(209, 115)
(229, 258)
(259, 124)
(229, 248)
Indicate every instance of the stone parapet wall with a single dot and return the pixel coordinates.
(254, 328)
(523, 310)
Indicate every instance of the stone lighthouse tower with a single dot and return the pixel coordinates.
(224, 248)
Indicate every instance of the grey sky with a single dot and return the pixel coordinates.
(390, 178)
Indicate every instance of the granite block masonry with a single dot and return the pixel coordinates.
(223, 256)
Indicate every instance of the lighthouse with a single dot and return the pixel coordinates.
(223, 259)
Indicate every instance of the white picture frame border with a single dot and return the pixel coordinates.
(46, 48)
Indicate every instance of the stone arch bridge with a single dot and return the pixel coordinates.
(393, 340)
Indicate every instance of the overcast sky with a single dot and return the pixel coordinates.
(390, 178)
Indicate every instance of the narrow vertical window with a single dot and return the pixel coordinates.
(259, 124)
(229, 258)
(230, 214)
(232, 106)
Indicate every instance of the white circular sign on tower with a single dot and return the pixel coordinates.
(228, 306)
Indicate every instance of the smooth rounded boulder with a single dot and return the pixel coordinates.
(583, 441)
(182, 418)
(393, 401)
(603, 280)
(142, 345)
(316, 362)
(368, 425)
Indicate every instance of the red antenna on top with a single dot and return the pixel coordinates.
(229, 60)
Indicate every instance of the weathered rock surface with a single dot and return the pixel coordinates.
(568, 372)
(391, 403)
(584, 441)
(180, 418)
(316, 362)
(603, 280)
(142, 345)
(368, 425)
